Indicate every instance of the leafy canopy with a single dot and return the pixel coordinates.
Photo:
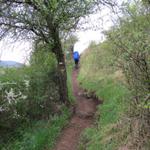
(42, 17)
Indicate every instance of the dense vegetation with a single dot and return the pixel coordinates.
(31, 115)
(118, 70)
(33, 98)
(99, 74)
(49, 21)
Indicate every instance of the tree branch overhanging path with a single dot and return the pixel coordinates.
(45, 19)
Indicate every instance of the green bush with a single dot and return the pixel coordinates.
(131, 42)
(42, 135)
(28, 95)
(29, 91)
(43, 85)
(69, 83)
(13, 97)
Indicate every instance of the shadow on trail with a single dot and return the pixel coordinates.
(82, 118)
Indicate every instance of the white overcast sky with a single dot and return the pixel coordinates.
(20, 51)
(98, 23)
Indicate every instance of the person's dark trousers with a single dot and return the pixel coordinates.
(76, 63)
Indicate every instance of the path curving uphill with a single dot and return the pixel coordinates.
(81, 119)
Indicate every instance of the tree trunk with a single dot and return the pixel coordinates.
(62, 73)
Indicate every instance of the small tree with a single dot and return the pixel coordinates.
(45, 19)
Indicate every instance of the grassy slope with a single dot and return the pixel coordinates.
(99, 74)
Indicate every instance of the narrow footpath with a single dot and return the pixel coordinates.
(81, 119)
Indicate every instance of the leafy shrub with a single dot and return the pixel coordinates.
(28, 94)
(131, 45)
(13, 96)
(42, 134)
(126, 50)
(43, 84)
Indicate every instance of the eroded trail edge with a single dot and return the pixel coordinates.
(81, 119)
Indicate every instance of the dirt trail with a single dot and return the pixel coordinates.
(81, 119)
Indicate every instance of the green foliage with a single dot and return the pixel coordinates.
(131, 42)
(146, 2)
(69, 42)
(68, 45)
(49, 21)
(42, 135)
(126, 50)
(29, 103)
(13, 95)
(43, 84)
(98, 73)
(131, 45)
(69, 84)
(96, 61)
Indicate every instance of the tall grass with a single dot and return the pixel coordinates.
(98, 73)
(35, 121)
(41, 135)
(69, 84)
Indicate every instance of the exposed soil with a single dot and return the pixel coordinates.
(123, 148)
(82, 118)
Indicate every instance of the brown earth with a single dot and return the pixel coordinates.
(82, 118)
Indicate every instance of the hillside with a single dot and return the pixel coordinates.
(99, 75)
(118, 126)
(10, 64)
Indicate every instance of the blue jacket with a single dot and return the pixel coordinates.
(76, 55)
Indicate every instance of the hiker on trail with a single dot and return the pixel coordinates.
(76, 58)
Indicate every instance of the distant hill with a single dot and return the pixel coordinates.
(10, 64)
